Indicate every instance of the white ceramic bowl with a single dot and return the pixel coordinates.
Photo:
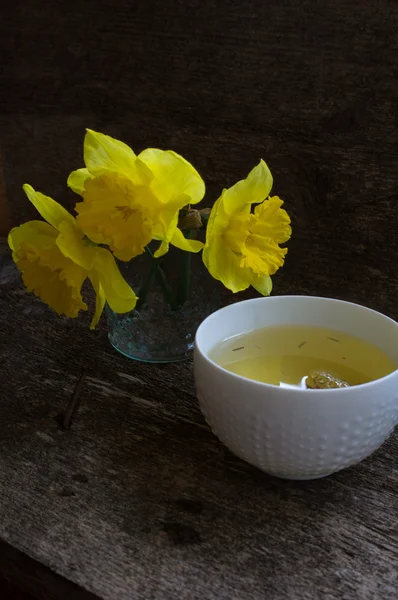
(296, 433)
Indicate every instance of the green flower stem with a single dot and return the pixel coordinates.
(146, 284)
(205, 219)
(184, 278)
(167, 293)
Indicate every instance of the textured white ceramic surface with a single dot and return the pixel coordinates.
(296, 433)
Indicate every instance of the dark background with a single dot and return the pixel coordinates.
(309, 86)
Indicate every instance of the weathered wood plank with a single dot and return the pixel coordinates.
(139, 499)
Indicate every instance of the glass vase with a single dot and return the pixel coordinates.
(175, 294)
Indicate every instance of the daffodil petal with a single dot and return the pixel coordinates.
(164, 225)
(105, 152)
(218, 221)
(263, 285)
(51, 211)
(175, 180)
(32, 232)
(195, 186)
(174, 236)
(163, 249)
(72, 245)
(77, 179)
(224, 265)
(100, 298)
(119, 295)
(252, 190)
(181, 242)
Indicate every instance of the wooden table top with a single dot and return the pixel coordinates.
(139, 500)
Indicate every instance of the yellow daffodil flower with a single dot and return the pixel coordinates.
(242, 247)
(129, 200)
(55, 258)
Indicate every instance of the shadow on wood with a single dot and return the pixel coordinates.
(34, 579)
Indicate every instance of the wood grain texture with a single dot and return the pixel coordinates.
(138, 499)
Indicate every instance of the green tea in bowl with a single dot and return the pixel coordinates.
(296, 355)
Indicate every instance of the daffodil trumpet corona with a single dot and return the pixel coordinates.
(55, 258)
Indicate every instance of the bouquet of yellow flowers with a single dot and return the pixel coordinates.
(134, 204)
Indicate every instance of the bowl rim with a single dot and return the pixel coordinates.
(283, 390)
